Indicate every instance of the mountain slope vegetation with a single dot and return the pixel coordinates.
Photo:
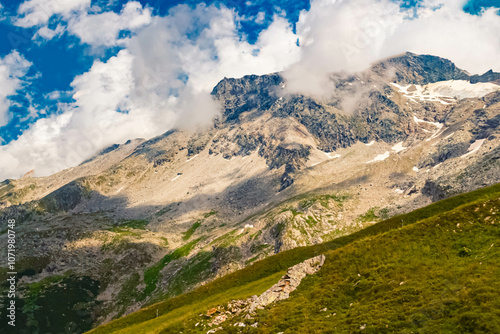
(148, 220)
(431, 270)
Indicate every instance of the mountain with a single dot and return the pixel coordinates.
(420, 272)
(152, 219)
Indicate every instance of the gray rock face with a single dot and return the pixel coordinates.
(373, 116)
(489, 76)
(420, 69)
(288, 283)
(247, 93)
(253, 167)
(66, 197)
(281, 290)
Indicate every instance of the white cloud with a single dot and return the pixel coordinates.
(260, 18)
(471, 41)
(89, 24)
(91, 123)
(13, 67)
(38, 12)
(2, 13)
(350, 35)
(45, 33)
(162, 79)
(103, 29)
(170, 64)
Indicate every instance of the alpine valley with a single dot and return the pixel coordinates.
(210, 230)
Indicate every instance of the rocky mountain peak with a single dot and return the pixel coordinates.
(246, 93)
(153, 219)
(489, 76)
(411, 68)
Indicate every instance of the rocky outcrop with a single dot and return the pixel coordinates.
(281, 290)
(266, 169)
(434, 191)
(411, 68)
(288, 283)
(245, 94)
(66, 197)
(489, 76)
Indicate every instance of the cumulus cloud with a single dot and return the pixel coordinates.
(162, 79)
(38, 12)
(45, 33)
(13, 67)
(102, 29)
(90, 24)
(350, 35)
(471, 41)
(163, 76)
(2, 13)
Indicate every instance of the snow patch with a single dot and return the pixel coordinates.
(175, 178)
(415, 169)
(246, 226)
(439, 127)
(399, 147)
(330, 156)
(448, 136)
(380, 157)
(370, 143)
(474, 147)
(437, 133)
(445, 92)
(462, 89)
(418, 120)
(188, 160)
(398, 191)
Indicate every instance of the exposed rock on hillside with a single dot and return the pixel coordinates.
(420, 69)
(288, 283)
(153, 219)
(281, 290)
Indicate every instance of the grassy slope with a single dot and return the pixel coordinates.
(441, 275)
(174, 313)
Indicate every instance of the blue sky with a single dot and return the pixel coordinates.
(56, 62)
(69, 67)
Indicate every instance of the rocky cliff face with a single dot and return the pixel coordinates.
(419, 69)
(151, 219)
(246, 308)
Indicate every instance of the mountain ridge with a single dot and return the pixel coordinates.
(151, 219)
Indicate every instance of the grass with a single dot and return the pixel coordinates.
(210, 213)
(152, 274)
(311, 221)
(438, 276)
(369, 216)
(15, 196)
(197, 271)
(126, 228)
(190, 232)
(176, 312)
(128, 293)
(172, 319)
(324, 200)
(56, 304)
(139, 224)
(192, 229)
